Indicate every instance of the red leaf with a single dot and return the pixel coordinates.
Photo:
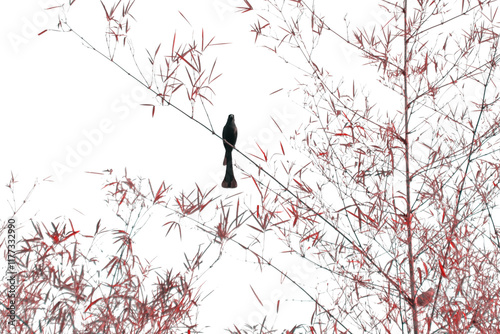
(173, 43)
(315, 235)
(246, 9)
(184, 18)
(202, 40)
(264, 154)
(157, 49)
(442, 270)
(90, 305)
(108, 17)
(277, 125)
(187, 62)
(72, 228)
(160, 193)
(70, 235)
(256, 295)
(276, 91)
(97, 227)
(123, 197)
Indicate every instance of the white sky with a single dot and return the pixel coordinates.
(55, 90)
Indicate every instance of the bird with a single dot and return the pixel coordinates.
(229, 135)
(426, 297)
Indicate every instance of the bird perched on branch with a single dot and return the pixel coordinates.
(229, 135)
(426, 297)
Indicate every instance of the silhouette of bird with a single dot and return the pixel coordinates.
(229, 135)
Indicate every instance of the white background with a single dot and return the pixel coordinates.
(54, 90)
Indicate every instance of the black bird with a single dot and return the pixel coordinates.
(229, 135)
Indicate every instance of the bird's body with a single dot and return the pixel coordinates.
(229, 135)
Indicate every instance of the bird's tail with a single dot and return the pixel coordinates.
(229, 180)
(231, 184)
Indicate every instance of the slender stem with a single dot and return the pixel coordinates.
(20, 319)
(356, 246)
(408, 178)
(461, 186)
(297, 285)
